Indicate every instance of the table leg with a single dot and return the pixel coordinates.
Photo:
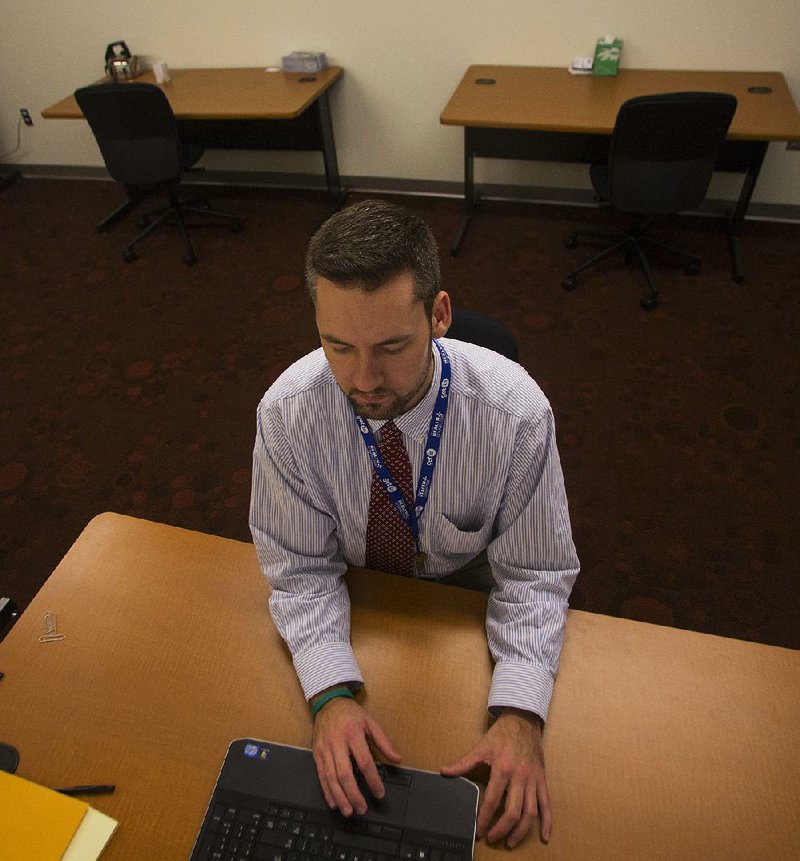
(134, 199)
(755, 158)
(117, 215)
(471, 199)
(336, 192)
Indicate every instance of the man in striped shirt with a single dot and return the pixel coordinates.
(489, 509)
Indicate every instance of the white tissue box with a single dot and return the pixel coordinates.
(304, 61)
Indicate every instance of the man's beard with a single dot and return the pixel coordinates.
(399, 404)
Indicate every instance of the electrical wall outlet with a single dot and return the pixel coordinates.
(26, 117)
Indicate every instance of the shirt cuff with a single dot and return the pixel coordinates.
(521, 686)
(327, 665)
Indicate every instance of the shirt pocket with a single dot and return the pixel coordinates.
(447, 539)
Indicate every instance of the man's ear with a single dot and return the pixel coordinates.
(442, 315)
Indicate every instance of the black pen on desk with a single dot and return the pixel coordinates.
(92, 789)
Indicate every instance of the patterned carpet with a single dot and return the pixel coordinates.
(133, 388)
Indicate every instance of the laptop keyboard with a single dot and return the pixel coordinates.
(233, 832)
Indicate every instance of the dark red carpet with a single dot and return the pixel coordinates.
(133, 388)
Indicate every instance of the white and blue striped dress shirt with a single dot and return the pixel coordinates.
(498, 486)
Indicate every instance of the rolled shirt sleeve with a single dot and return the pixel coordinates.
(298, 551)
(534, 564)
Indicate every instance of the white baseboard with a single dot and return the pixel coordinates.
(388, 185)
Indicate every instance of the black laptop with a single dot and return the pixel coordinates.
(268, 805)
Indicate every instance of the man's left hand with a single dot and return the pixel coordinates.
(512, 748)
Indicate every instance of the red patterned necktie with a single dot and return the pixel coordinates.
(390, 546)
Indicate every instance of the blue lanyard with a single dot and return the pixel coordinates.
(411, 517)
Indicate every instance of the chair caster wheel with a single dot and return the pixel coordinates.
(569, 282)
(571, 241)
(236, 227)
(129, 255)
(649, 303)
(692, 269)
(143, 222)
(190, 258)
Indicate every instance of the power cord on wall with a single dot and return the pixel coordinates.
(19, 141)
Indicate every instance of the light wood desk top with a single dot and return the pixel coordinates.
(551, 99)
(661, 744)
(228, 94)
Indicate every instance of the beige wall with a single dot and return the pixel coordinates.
(402, 61)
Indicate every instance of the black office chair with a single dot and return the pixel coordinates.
(138, 136)
(484, 331)
(661, 158)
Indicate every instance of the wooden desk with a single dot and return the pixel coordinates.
(661, 744)
(547, 114)
(247, 109)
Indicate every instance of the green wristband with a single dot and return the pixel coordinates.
(331, 695)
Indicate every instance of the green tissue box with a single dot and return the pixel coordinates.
(606, 55)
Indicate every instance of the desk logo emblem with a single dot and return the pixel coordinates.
(50, 634)
(256, 751)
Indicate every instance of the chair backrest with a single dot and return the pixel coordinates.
(663, 150)
(135, 130)
(484, 331)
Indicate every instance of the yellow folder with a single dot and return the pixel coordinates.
(38, 824)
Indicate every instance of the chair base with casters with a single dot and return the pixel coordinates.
(174, 214)
(633, 245)
(138, 136)
(661, 156)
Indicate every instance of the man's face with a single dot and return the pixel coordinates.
(378, 344)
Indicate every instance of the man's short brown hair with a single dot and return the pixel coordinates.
(366, 245)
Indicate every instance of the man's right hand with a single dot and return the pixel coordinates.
(341, 731)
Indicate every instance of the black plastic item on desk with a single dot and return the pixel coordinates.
(92, 789)
(9, 613)
(9, 757)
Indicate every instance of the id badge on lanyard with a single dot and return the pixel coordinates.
(412, 515)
